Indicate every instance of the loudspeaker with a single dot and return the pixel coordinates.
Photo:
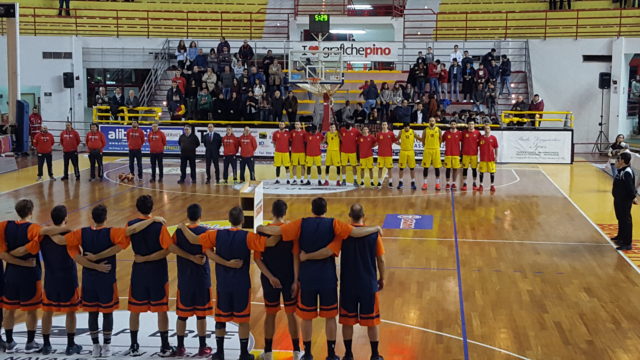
(7, 10)
(604, 81)
(67, 80)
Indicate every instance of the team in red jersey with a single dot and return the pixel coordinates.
(488, 155)
(348, 148)
(385, 140)
(313, 154)
(298, 139)
(470, 143)
(281, 140)
(366, 143)
(452, 140)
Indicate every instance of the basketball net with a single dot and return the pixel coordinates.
(325, 91)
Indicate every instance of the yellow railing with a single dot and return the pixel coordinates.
(512, 116)
(123, 111)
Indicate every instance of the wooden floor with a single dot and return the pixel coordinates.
(535, 277)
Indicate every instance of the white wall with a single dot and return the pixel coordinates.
(566, 83)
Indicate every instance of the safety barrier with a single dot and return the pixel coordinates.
(512, 116)
(123, 111)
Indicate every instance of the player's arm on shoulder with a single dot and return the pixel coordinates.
(141, 225)
(198, 259)
(102, 267)
(361, 231)
(234, 263)
(160, 254)
(269, 230)
(323, 253)
(104, 254)
(193, 238)
(10, 259)
(272, 240)
(53, 230)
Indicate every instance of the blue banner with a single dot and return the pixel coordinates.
(117, 139)
(408, 222)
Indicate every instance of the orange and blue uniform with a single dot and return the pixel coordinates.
(149, 289)
(359, 281)
(99, 290)
(194, 280)
(318, 278)
(22, 288)
(61, 292)
(233, 288)
(279, 260)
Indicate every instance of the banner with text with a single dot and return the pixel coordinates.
(353, 51)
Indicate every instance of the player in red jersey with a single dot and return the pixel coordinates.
(348, 146)
(488, 156)
(281, 140)
(314, 153)
(298, 137)
(366, 142)
(452, 139)
(470, 140)
(385, 140)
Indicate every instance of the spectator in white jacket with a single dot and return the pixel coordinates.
(456, 54)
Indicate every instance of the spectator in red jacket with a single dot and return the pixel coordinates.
(135, 140)
(537, 104)
(44, 145)
(248, 146)
(157, 142)
(180, 80)
(95, 141)
(35, 124)
(230, 144)
(434, 73)
(443, 78)
(70, 140)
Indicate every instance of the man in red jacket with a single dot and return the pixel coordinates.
(157, 142)
(135, 140)
(95, 141)
(230, 144)
(70, 140)
(43, 143)
(248, 146)
(35, 124)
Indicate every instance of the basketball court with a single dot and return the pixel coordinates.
(524, 273)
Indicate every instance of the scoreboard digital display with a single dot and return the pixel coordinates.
(319, 23)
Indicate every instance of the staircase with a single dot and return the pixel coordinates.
(159, 95)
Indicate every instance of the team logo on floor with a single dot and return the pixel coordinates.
(270, 187)
(171, 170)
(400, 221)
(211, 224)
(148, 337)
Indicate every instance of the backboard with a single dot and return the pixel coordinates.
(317, 71)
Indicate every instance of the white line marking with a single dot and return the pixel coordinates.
(634, 266)
(495, 241)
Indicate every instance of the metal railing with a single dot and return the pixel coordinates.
(123, 112)
(508, 117)
(158, 70)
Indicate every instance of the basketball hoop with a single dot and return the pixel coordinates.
(314, 80)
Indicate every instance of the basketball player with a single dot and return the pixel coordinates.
(95, 141)
(406, 139)
(366, 142)
(232, 247)
(279, 266)
(230, 146)
(452, 139)
(88, 246)
(135, 140)
(431, 155)
(318, 279)
(360, 263)
(470, 140)
(149, 289)
(194, 296)
(488, 155)
(22, 289)
(385, 140)
(298, 137)
(157, 142)
(332, 138)
(281, 140)
(348, 147)
(313, 154)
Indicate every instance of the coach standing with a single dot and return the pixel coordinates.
(135, 140)
(212, 142)
(188, 144)
(43, 143)
(157, 142)
(70, 140)
(624, 196)
(248, 146)
(96, 141)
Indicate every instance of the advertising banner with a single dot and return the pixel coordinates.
(353, 51)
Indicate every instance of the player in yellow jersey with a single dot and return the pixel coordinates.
(406, 139)
(332, 138)
(431, 137)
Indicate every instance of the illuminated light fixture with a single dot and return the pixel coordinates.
(360, 62)
(360, 7)
(340, 31)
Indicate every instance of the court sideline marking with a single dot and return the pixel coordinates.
(495, 241)
(463, 321)
(634, 266)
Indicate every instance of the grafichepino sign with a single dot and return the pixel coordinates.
(354, 51)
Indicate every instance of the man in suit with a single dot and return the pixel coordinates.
(116, 101)
(624, 196)
(419, 115)
(212, 142)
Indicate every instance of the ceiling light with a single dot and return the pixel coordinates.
(340, 31)
(360, 7)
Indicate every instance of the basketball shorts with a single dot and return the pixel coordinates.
(469, 161)
(308, 303)
(407, 159)
(272, 297)
(487, 166)
(281, 159)
(21, 294)
(366, 163)
(452, 162)
(194, 300)
(233, 305)
(348, 159)
(297, 159)
(61, 293)
(385, 162)
(357, 308)
(100, 296)
(333, 158)
(431, 157)
(313, 160)
(149, 289)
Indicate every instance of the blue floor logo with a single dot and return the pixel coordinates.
(409, 222)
